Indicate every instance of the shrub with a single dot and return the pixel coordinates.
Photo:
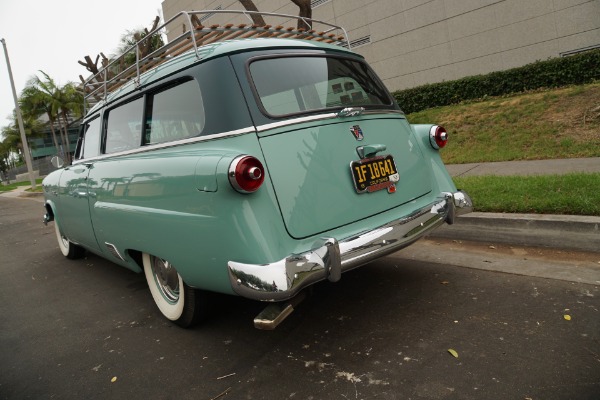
(573, 70)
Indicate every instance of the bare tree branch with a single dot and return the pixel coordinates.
(146, 45)
(305, 12)
(90, 65)
(249, 6)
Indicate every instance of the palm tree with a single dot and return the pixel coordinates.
(34, 102)
(70, 102)
(146, 45)
(58, 102)
(11, 140)
(46, 92)
(12, 134)
(4, 159)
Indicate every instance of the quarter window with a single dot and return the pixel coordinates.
(175, 113)
(124, 127)
(91, 139)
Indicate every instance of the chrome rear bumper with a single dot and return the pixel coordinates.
(283, 279)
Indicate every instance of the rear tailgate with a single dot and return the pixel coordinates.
(310, 166)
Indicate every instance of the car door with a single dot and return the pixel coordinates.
(74, 196)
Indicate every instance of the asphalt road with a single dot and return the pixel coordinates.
(88, 329)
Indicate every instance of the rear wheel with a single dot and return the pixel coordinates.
(176, 301)
(68, 248)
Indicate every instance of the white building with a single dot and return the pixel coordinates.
(413, 42)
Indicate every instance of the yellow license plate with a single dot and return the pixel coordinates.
(373, 174)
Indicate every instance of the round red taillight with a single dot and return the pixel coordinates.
(438, 137)
(246, 174)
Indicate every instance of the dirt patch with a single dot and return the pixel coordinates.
(577, 113)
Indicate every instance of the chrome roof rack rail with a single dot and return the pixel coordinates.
(137, 59)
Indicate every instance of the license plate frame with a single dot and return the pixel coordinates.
(373, 174)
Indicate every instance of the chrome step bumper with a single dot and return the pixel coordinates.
(283, 279)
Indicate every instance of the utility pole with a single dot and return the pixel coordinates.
(19, 119)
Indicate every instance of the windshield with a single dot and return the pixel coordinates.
(300, 84)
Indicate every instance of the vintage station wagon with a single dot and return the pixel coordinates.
(253, 161)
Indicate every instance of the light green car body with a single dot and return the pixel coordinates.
(175, 200)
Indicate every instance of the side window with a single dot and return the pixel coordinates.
(91, 139)
(124, 127)
(175, 113)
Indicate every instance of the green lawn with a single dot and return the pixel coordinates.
(575, 194)
(13, 186)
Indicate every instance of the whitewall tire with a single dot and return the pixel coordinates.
(67, 248)
(176, 301)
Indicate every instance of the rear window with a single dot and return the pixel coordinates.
(301, 84)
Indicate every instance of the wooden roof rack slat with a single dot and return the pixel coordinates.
(119, 71)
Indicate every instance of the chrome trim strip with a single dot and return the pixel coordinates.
(351, 112)
(373, 112)
(294, 121)
(319, 117)
(112, 249)
(166, 145)
(283, 279)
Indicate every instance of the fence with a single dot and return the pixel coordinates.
(41, 166)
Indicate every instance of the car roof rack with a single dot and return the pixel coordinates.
(139, 58)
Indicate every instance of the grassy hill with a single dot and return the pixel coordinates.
(556, 123)
(547, 124)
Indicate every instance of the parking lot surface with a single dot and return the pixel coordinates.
(89, 329)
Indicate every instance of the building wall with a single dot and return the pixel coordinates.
(44, 146)
(414, 42)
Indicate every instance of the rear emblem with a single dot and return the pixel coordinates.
(357, 132)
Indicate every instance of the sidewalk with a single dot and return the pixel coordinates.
(536, 167)
(570, 232)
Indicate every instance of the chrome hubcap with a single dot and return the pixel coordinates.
(166, 278)
(64, 241)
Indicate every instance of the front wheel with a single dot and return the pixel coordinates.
(68, 248)
(176, 301)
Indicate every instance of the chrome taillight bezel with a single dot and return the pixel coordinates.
(255, 173)
(438, 137)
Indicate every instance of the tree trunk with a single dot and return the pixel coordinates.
(65, 138)
(53, 132)
(249, 6)
(305, 12)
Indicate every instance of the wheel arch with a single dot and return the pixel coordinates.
(50, 215)
(136, 256)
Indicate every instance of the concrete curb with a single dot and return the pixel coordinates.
(30, 194)
(21, 191)
(568, 232)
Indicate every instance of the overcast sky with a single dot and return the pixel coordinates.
(52, 35)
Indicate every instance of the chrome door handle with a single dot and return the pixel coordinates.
(370, 150)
